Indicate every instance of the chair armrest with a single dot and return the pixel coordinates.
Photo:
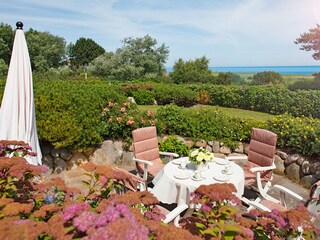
(289, 192)
(231, 158)
(148, 163)
(255, 204)
(170, 154)
(175, 212)
(260, 169)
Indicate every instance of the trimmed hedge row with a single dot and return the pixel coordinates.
(268, 99)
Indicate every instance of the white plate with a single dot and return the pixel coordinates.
(230, 172)
(221, 161)
(176, 161)
(182, 175)
(198, 179)
(222, 177)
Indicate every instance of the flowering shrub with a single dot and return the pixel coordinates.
(9, 148)
(200, 156)
(50, 210)
(119, 119)
(299, 133)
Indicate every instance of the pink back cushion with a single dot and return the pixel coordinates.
(262, 149)
(145, 143)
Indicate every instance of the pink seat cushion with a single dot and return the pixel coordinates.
(250, 177)
(152, 170)
(272, 205)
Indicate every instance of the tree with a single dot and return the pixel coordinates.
(191, 71)
(137, 58)
(310, 41)
(226, 78)
(267, 77)
(84, 51)
(6, 42)
(46, 50)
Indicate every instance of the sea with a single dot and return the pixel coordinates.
(296, 70)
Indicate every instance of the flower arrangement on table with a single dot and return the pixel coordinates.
(200, 156)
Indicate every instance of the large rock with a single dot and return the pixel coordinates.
(291, 159)
(47, 161)
(245, 148)
(282, 154)
(293, 172)
(208, 148)
(201, 143)
(280, 168)
(60, 165)
(65, 154)
(239, 149)
(215, 146)
(305, 167)
(55, 153)
(107, 154)
(307, 181)
(317, 174)
(225, 150)
(77, 159)
(127, 159)
(314, 167)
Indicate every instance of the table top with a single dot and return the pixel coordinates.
(173, 184)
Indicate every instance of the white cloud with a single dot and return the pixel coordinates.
(222, 30)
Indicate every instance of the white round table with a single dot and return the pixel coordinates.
(170, 188)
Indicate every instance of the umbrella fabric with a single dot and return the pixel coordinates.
(17, 113)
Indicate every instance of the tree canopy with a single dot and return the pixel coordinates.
(84, 51)
(137, 58)
(310, 41)
(46, 50)
(6, 42)
(191, 71)
(267, 77)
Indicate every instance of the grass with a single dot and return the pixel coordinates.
(233, 112)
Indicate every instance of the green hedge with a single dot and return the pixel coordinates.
(266, 99)
(205, 123)
(69, 112)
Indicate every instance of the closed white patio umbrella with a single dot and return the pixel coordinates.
(17, 113)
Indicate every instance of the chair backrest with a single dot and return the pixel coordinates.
(313, 201)
(262, 148)
(145, 143)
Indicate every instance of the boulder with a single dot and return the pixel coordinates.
(60, 165)
(65, 154)
(225, 150)
(215, 146)
(293, 172)
(47, 160)
(245, 148)
(55, 152)
(300, 160)
(107, 154)
(305, 167)
(127, 159)
(307, 181)
(77, 159)
(317, 174)
(314, 167)
(280, 168)
(208, 148)
(201, 143)
(282, 154)
(131, 99)
(291, 159)
(239, 149)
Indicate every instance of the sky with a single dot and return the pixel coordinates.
(227, 32)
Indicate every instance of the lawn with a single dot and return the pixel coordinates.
(233, 112)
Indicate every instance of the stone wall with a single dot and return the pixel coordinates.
(298, 168)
